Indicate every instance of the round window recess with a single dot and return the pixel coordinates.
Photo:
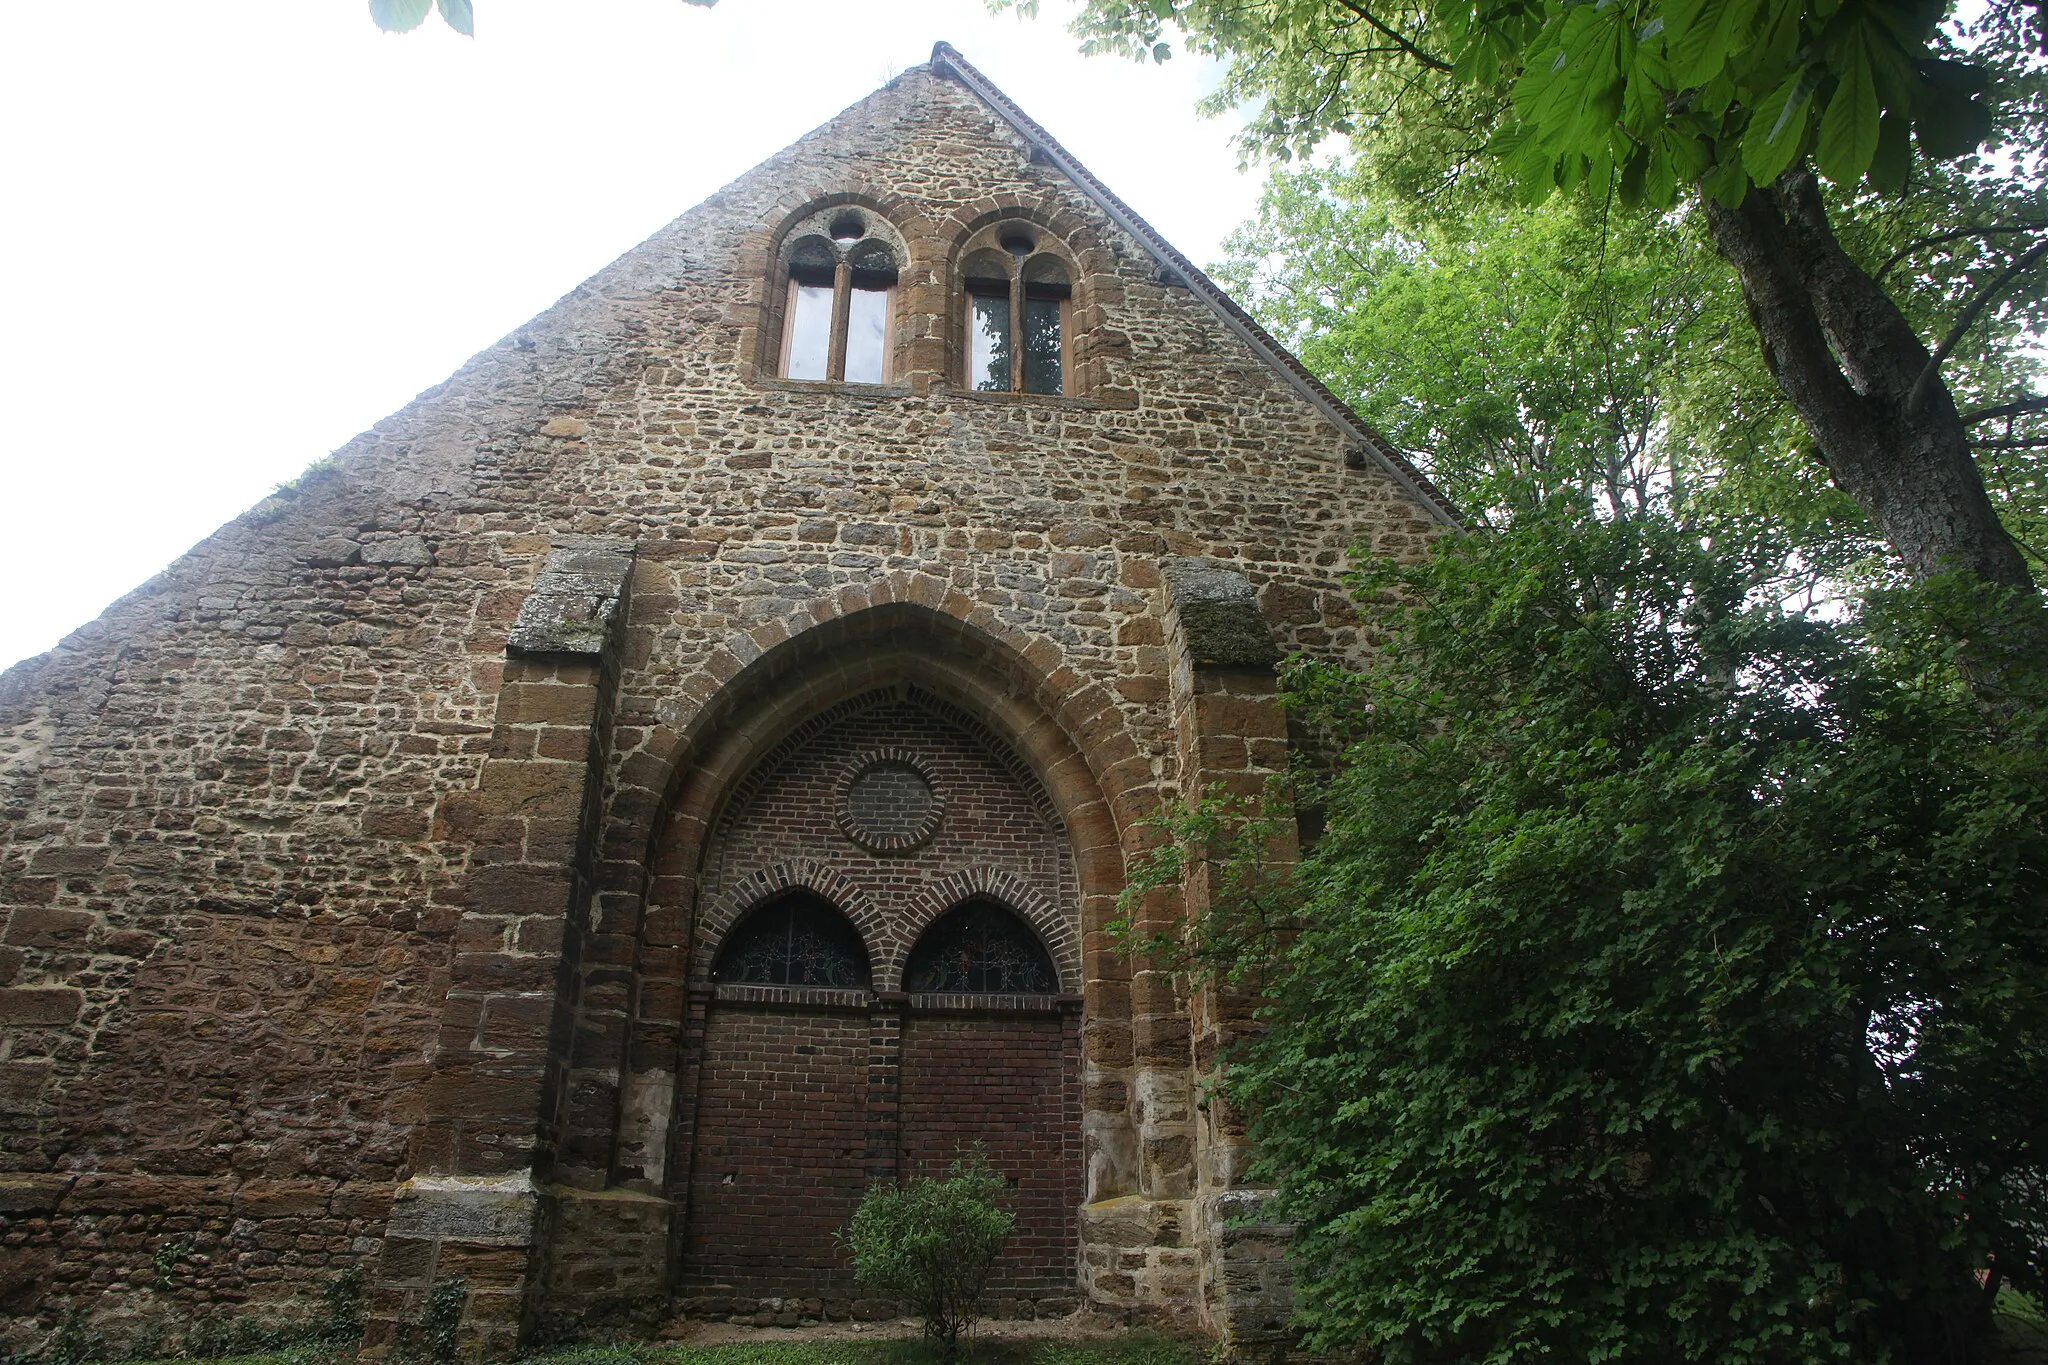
(848, 228)
(887, 803)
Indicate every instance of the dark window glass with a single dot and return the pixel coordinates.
(981, 947)
(798, 941)
(1042, 345)
(988, 341)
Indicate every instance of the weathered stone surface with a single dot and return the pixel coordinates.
(405, 551)
(576, 598)
(1219, 614)
(496, 1211)
(376, 841)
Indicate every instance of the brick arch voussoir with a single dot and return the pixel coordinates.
(799, 874)
(1062, 938)
(1098, 751)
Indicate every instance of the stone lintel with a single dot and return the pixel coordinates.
(576, 599)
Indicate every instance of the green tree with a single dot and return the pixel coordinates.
(1670, 981)
(1602, 351)
(1728, 104)
(1552, 348)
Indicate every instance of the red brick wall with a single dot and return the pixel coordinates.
(778, 1163)
(788, 809)
(1012, 1082)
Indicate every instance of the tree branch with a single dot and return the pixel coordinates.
(1938, 238)
(2016, 408)
(1970, 315)
(1434, 63)
(2032, 443)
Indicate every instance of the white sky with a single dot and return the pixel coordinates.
(232, 236)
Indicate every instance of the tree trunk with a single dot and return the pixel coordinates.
(1848, 359)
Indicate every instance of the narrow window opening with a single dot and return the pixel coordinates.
(872, 274)
(810, 329)
(1042, 316)
(1017, 318)
(839, 312)
(988, 335)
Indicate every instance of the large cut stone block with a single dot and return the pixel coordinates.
(493, 1209)
(575, 599)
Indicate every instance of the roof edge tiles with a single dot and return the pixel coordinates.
(946, 60)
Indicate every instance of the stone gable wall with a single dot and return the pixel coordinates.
(244, 813)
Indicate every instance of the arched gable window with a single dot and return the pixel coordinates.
(840, 268)
(1019, 307)
(798, 940)
(980, 947)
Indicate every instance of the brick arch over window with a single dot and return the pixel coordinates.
(1062, 938)
(765, 770)
(749, 692)
(801, 874)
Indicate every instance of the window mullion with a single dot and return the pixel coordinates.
(1017, 326)
(842, 302)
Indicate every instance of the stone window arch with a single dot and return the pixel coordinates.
(836, 279)
(797, 939)
(980, 947)
(1017, 310)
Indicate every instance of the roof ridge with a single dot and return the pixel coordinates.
(946, 60)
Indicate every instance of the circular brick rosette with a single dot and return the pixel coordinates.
(889, 801)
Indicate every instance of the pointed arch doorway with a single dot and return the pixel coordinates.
(888, 975)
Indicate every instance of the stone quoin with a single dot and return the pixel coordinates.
(681, 770)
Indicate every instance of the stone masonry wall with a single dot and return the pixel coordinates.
(242, 814)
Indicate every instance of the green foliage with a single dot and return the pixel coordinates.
(224, 1334)
(169, 1255)
(74, 1342)
(1644, 97)
(932, 1242)
(1671, 976)
(1606, 352)
(1501, 346)
(343, 1298)
(440, 1324)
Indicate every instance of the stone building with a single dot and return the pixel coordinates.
(680, 770)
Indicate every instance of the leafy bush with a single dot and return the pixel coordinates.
(931, 1243)
(1670, 981)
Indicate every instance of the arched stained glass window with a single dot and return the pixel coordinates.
(800, 940)
(980, 947)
